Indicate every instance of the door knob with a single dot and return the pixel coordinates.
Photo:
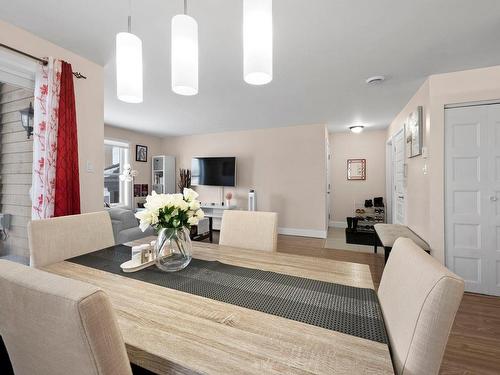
(493, 198)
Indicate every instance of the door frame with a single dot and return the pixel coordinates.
(328, 187)
(390, 192)
(389, 179)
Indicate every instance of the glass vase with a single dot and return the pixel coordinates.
(173, 249)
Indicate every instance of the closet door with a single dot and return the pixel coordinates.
(472, 137)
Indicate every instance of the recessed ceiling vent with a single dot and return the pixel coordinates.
(375, 79)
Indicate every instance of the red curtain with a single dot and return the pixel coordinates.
(67, 191)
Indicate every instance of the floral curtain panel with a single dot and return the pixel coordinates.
(46, 107)
(55, 185)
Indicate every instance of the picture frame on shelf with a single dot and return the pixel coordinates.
(141, 153)
(137, 190)
(144, 190)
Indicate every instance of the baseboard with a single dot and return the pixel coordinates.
(338, 224)
(303, 232)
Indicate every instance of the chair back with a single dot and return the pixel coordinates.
(52, 325)
(419, 299)
(56, 239)
(253, 230)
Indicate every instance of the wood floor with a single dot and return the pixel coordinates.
(474, 343)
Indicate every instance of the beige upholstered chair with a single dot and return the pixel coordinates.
(56, 326)
(249, 230)
(60, 238)
(419, 299)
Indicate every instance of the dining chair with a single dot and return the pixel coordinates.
(52, 325)
(253, 230)
(419, 299)
(56, 239)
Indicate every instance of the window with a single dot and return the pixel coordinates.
(116, 155)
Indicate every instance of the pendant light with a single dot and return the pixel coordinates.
(184, 54)
(129, 66)
(258, 41)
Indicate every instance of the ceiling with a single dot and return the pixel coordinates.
(323, 52)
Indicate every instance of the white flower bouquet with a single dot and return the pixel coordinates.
(173, 211)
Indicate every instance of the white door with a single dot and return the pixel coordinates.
(472, 209)
(398, 180)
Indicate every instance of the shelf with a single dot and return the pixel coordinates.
(370, 212)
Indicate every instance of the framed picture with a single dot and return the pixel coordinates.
(414, 133)
(141, 153)
(356, 169)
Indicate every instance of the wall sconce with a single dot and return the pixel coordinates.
(27, 116)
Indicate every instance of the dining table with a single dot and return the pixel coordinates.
(170, 331)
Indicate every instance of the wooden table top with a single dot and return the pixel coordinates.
(172, 332)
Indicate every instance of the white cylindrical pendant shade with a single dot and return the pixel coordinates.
(128, 68)
(184, 55)
(258, 41)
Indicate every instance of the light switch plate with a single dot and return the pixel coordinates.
(90, 167)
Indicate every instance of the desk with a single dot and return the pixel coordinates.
(215, 212)
(171, 332)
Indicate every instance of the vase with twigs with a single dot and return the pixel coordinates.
(184, 179)
(172, 215)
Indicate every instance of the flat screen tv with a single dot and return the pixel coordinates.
(213, 171)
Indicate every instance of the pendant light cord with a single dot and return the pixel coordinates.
(130, 16)
(185, 7)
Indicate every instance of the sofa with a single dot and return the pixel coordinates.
(126, 227)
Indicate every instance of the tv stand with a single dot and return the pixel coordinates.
(214, 212)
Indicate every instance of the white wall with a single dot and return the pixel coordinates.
(425, 212)
(286, 166)
(369, 145)
(417, 184)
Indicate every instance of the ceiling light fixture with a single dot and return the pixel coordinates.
(356, 128)
(258, 41)
(129, 65)
(375, 79)
(184, 54)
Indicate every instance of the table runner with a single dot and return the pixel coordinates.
(342, 308)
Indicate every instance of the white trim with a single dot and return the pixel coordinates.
(472, 104)
(389, 181)
(126, 198)
(303, 232)
(338, 224)
(116, 142)
(405, 176)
